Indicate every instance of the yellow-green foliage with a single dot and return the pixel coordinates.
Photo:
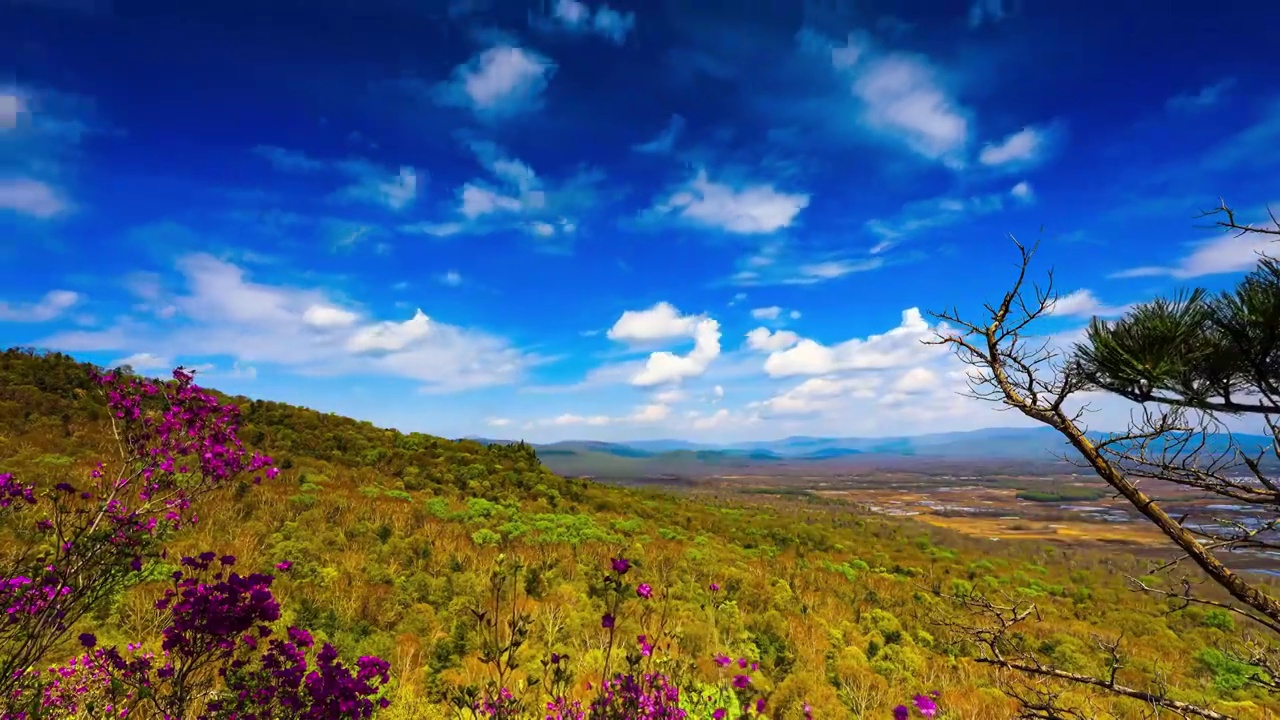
(393, 536)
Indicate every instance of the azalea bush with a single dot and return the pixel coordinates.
(73, 547)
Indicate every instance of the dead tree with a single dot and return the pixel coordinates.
(1187, 362)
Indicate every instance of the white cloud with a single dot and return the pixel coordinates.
(794, 314)
(143, 361)
(718, 393)
(223, 313)
(1225, 254)
(901, 96)
(766, 313)
(1024, 148)
(389, 336)
(28, 196)
(669, 396)
(1083, 303)
(452, 278)
(819, 393)
(514, 196)
(578, 17)
(50, 307)
(326, 317)
(501, 81)
(12, 107)
(660, 322)
(664, 322)
(743, 210)
(395, 193)
(1023, 192)
(370, 182)
(895, 348)
(1205, 97)
(498, 422)
(716, 419)
(932, 214)
(917, 380)
(764, 340)
(665, 142)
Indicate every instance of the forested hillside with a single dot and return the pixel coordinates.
(395, 541)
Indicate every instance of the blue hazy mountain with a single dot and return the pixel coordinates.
(1003, 446)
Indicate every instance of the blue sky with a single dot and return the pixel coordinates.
(568, 219)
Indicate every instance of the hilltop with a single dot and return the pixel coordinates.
(395, 539)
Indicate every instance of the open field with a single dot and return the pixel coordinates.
(1069, 510)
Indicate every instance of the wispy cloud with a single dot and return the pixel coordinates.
(899, 95)
(1023, 149)
(1083, 303)
(50, 307)
(665, 142)
(1204, 98)
(780, 263)
(369, 182)
(1224, 254)
(514, 196)
(33, 198)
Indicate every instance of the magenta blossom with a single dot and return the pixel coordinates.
(925, 705)
(901, 713)
(621, 565)
(644, 590)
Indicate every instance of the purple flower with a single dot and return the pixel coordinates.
(284, 566)
(901, 713)
(644, 590)
(719, 714)
(925, 705)
(722, 660)
(759, 705)
(714, 587)
(621, 565)
(741, 681)
(88, 640)
(606, 621)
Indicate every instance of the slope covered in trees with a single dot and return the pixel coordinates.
(397, 543)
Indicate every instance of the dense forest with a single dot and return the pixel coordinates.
(395, 542)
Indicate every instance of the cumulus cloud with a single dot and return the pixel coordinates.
(223, 313)
(50, 307)
(660, 322)
(1023, 192)
(664, 322)
(749, 209)
(765, 340)
(899, 346)
(499, 82)
(766, 313)
(579, 18)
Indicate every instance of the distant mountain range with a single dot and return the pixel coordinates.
(988, 450)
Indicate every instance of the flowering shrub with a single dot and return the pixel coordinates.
(80, 546)
(220, 655)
